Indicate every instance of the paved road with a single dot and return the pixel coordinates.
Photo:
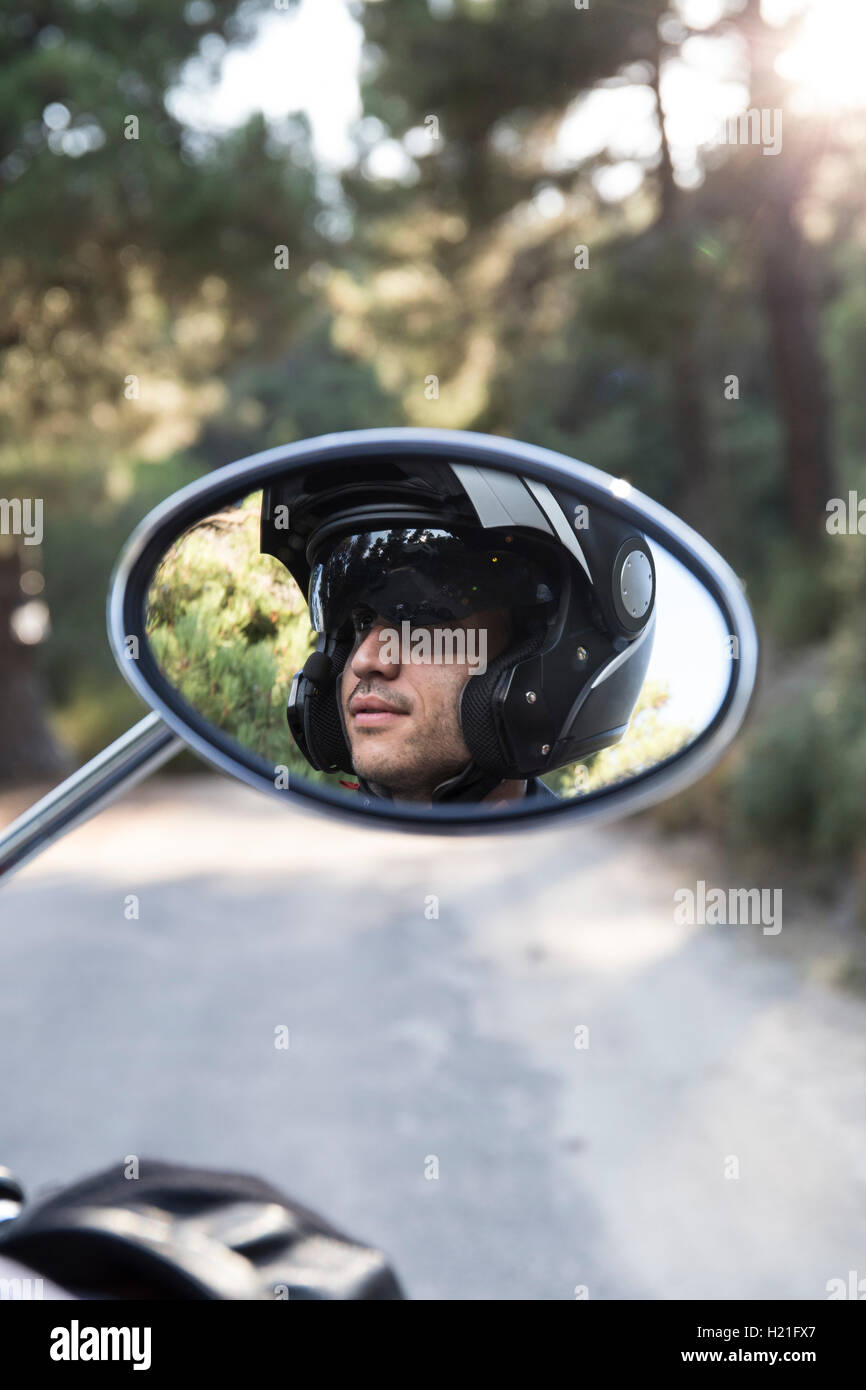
(414, 1037)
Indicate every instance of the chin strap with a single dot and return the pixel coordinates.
(472, 784)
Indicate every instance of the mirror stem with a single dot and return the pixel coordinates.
(135, 755)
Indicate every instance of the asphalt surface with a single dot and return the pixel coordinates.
(709, 1142)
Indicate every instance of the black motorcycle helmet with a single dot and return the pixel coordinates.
(431, 542)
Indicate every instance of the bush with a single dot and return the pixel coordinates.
(229, 628)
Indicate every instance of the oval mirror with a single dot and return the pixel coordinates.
(436, 628)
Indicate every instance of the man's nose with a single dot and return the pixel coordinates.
(375, 655)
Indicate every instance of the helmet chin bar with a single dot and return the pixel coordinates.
(472, 784)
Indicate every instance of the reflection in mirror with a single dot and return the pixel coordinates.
(346, 632)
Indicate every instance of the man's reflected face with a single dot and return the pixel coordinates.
(400, 710)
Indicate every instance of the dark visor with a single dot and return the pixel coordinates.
(423, 575)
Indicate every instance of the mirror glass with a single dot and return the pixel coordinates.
(373, 644)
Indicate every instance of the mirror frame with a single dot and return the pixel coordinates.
(148, 544)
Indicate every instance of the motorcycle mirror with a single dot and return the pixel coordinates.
(559, 643)
(605, 664)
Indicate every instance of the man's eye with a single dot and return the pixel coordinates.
(362, 621)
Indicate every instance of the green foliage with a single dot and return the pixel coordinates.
(312, 389)
(798, 787)
(797, 784)
(653, 289)
(229, 628)
(798, 602)
(127, 245)
(775, 793)
(846, 349)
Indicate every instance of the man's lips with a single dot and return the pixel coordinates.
(371, 712)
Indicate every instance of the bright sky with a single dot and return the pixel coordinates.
(306, 58)
(309, 59)
(690, 647)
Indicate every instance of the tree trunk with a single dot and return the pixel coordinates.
(789, 296)
(799, 372)
(688, 410)
(28, 749)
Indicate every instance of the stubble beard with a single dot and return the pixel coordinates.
(409, 771)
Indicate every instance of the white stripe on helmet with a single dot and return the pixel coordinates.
(623, 656)
(499, 499)
(556, 517)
